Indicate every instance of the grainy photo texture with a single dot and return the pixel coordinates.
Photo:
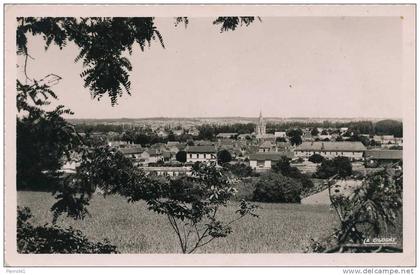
(209, 135)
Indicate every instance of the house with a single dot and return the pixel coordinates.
(118, 143)
(178, 132)
(283, 146)
(268, 137)
(193, 132)
(343, 130)
(162, 133)
(327, 137)
(399, 141)
(134, 153)
(176, 148)
(245, 136)
(384, 139)
(383, 156)
(226, 142)
(280, 134)
(264, 161)
(227, 135)
(167, 155)
(158, 146)
(168, 171)
(172, 143)
(151, 156)
(351, 149)
(201, 153)
(204, 143)
(266, 146)
(307, 136)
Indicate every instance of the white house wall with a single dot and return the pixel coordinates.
(329, 154)
(193, 157)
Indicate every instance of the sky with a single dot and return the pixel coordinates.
(340, 67)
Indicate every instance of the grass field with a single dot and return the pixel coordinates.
(281, 228)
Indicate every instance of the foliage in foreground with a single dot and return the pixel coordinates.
(53, 239)
(191, 204)
(43, 138)
(103, 43)
(364, 214)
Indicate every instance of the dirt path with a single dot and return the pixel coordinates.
(343, 187)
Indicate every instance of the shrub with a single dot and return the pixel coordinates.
(53, 239)
(340, 166)
(283, 167)
(239, 169)
(281, 139)
(298, 160)
(245, 188)
(273, 187)
(181, 156)
(316, 158)
(224, 156)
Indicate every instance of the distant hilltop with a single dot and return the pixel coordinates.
(232, 119)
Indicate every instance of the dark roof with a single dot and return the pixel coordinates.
(266, 144)
(271, 156)
(131, 150)
(201, 149)
(172, 143)
(180, 146)
(384, 154)
(153, 152)
(226, 134)
(283, 145)
(168, 168)
(342, 146)
(203, 143)
(166, 154)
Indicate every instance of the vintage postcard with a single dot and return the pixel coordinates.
(209, 135)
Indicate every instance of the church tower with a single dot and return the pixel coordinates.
(260, 128)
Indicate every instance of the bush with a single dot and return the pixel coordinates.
(316, 158)
(53, 239)
(281, 139)
(273, 187)
(239, 169)
(283, 167)
(224, 156)
(245, 188)
(340, 166)
(181, 156)
(298, 160)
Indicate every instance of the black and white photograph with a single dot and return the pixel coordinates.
(226, 132)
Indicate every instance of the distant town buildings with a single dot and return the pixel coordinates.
(352, 150)
(161, 143)
(201, 153)
(378, 157)
(264, 161)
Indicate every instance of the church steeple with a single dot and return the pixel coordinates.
(260, 127)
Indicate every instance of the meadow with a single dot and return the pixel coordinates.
(281, 228)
